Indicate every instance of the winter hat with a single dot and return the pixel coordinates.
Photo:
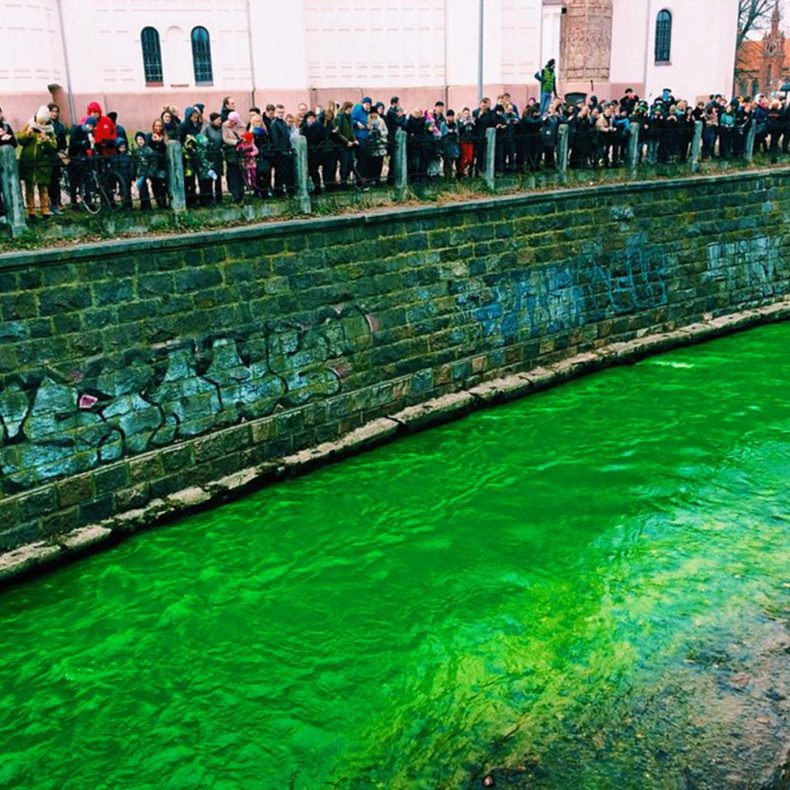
(119, 141)
(40, 121)
(234, 116)
(247, 137)
(42, 115)
(94, 106)
(138, 135)
(367, 100)
(89, 121)
(200, 108)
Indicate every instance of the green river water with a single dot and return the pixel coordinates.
(584, 589)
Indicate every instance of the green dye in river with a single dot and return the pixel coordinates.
(583, 589)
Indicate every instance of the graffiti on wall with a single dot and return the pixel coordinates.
(748, 268)
(56, 427)
(542, 300)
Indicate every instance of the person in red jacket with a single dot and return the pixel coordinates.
(104, 133)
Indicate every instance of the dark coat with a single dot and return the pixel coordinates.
(280, 135)
(80, 143)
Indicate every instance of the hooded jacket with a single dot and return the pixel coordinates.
(187, 128)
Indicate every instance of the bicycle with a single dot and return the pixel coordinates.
(99, 186)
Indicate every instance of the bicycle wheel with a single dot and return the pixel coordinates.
(90, 192)
(115, 189)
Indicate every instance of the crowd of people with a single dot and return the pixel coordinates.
(351, 145)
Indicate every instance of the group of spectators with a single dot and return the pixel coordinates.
(349, 143)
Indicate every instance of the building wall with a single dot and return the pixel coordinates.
(315, 50)
(702, 53)
(132, 370)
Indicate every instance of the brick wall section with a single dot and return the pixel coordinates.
(131, 370)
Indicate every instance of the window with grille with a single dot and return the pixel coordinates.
(663, 36)
(152, 56)
(201, 56)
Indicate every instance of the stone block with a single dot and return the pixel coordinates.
(32, 555)
(146, 468)
(60, 522)
(264, 431)
(97, 509)
(66, 297)
(188, 498)
(84, 537)
(108, 480)
(435, 412)
(75, 490)
(39, 502)
(178, 459)
(133, 497)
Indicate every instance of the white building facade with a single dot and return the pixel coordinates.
(136, 56)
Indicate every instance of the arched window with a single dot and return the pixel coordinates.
(755, 87)
(663, 36)
(152, 56)
(201, 55)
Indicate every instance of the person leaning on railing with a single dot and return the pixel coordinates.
(55, 198)
(213, 133)
(81, 148)
(143, 169)
(314, 133)
(347, 142)
(232, 130)
(157, 140)
(6, 138)
(331, 146)
(37, 160)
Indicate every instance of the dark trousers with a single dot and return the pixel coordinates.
(55, 199)
(235, 182)
(313, 165)
(218, 166)
(346, 164)
(145, 194)
(375, 168)
(190, 190)
(283, 172)
(159, 186)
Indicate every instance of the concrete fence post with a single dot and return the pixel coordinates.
(632, 157)
(490, 158)
(400, 164)
(696, 147)
(175, 177)
(12, 191)
(563, 141)
(302, 175)
(748, 148)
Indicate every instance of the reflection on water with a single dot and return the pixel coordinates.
(585, 589)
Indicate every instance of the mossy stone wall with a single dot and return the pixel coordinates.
(131, 370)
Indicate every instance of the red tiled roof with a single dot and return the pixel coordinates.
(750, 56)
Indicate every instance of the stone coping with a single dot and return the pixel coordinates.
(371, 218)
(44, 554)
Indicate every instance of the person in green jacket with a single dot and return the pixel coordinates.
(547, 78)
(37, 157)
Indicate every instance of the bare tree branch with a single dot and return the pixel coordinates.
(752, 15)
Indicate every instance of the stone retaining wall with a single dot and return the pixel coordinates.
(131, 372)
